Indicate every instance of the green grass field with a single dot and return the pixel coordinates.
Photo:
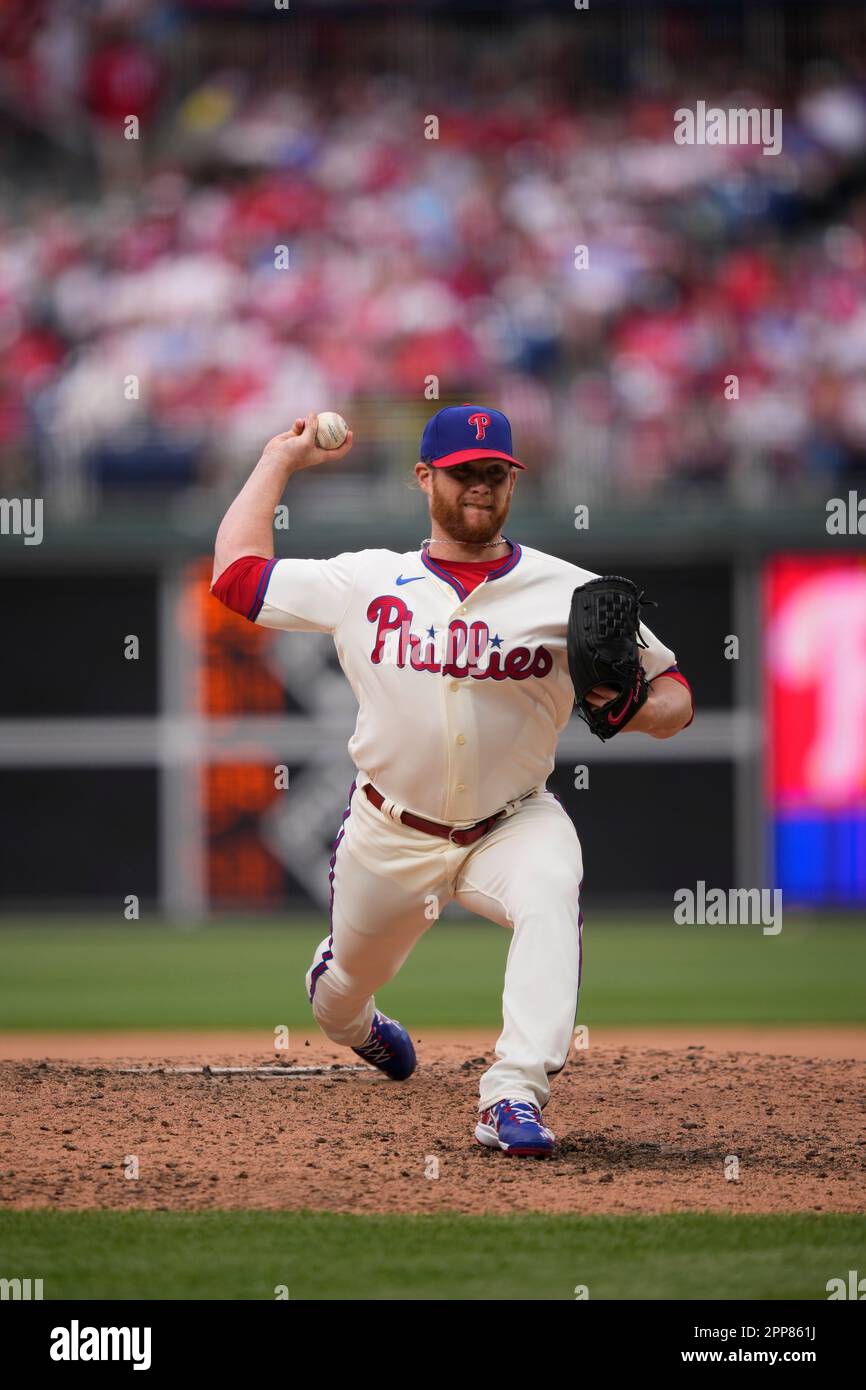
(315, 1255)
(250, 975)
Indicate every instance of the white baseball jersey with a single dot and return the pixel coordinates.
(461, 696)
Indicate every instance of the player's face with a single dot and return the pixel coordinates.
(471, 501)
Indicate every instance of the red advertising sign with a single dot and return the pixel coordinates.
(815, 667)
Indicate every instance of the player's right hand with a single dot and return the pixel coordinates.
(601, 695)
(297, 448)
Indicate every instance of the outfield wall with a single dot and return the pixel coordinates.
(152, 743)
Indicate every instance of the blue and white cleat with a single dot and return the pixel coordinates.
(389, 1048)
(516, 1127)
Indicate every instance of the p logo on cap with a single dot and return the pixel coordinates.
(481, 422)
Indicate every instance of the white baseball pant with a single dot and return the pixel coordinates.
(389, 880)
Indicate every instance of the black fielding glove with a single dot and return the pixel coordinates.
(603, 649)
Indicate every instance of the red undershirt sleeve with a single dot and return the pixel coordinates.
(242, 586)
(675, 674)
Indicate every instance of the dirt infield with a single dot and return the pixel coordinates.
(641, 1128)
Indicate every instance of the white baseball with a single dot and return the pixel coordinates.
(332, 430)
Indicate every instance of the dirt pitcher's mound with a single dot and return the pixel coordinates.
(813, 1040)
(640, 1130)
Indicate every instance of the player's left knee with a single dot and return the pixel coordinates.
(559, 882)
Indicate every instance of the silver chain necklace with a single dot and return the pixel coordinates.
(430, 541)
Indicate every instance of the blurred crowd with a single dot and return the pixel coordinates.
(275, 241)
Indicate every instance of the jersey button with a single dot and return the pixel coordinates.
(461, 738)
(460, 787)
(463, 609)
(455, 685)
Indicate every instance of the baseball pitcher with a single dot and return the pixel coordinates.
(466, 657)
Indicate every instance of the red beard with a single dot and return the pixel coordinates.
(470, 527)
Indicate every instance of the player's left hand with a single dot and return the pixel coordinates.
(601, 695)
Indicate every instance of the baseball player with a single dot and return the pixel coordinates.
(457, 656)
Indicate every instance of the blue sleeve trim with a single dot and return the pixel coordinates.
(261, 591)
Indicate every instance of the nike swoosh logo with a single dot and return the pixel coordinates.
(412, 577)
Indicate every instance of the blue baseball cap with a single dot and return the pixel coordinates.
(460, 433)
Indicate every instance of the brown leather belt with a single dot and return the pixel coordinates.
(467, 836)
